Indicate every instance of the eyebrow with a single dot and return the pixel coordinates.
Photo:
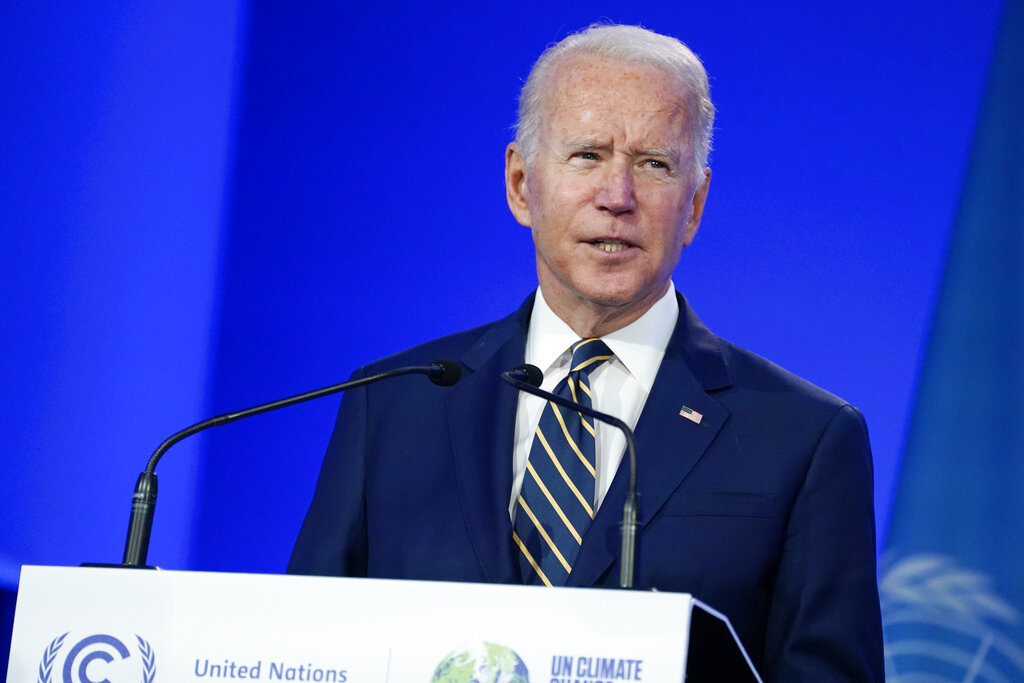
(668, 152)
(582, 144)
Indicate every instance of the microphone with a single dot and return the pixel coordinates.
(528, 378)
(443, 372)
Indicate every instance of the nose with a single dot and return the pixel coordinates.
(617, 192)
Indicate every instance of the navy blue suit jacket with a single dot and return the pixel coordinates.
(762, 510)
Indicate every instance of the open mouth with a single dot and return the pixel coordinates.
(611, 246)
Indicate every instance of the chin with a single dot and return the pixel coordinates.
(611, 297)
(614, 289)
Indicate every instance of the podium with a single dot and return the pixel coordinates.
(90, 625)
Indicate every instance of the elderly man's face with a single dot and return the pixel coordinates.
(611, 194)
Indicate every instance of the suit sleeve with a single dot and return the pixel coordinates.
(824, 622)
(332, 540)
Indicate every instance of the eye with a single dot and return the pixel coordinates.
(584, 159)
(655, 163)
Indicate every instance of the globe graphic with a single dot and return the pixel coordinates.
(484, 663)
(945, 623)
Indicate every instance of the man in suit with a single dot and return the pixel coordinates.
(755, 486)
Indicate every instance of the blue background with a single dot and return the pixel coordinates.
(209, 205)
(950, 581)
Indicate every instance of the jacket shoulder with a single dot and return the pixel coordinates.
(780, 393)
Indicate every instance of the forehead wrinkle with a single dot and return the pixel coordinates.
(583, 94)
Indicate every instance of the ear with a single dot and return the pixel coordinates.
(515, 184)
(700, 196)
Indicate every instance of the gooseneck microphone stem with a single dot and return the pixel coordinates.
(528, 378)
(140, 525)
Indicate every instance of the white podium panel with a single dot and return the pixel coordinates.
(92, 625)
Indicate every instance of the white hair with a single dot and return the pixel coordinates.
(632, 45)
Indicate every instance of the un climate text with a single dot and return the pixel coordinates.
(565, 669)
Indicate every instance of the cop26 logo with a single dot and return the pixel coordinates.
(94, 658)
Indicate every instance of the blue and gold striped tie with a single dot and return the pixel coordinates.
(557, 498)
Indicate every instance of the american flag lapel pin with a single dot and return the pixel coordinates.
(691, 415)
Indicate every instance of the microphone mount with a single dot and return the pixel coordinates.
(442, 372)
(528, 378)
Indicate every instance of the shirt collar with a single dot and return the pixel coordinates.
(639, 346)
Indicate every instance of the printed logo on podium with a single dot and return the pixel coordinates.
(98, 658)
(484, 662)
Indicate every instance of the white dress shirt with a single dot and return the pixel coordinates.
(620, 385)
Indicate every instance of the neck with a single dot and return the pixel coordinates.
(589, 319)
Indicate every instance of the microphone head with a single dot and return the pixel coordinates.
(530, 374)
(445, 372)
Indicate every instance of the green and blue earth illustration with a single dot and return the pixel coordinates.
(485, 663)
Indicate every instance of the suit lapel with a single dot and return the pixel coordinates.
(481, 418)
(668, 445)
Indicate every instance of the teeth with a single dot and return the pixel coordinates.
(610, 246)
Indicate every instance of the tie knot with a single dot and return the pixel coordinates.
(587, 354)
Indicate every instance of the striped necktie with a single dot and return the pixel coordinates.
(556, 500)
